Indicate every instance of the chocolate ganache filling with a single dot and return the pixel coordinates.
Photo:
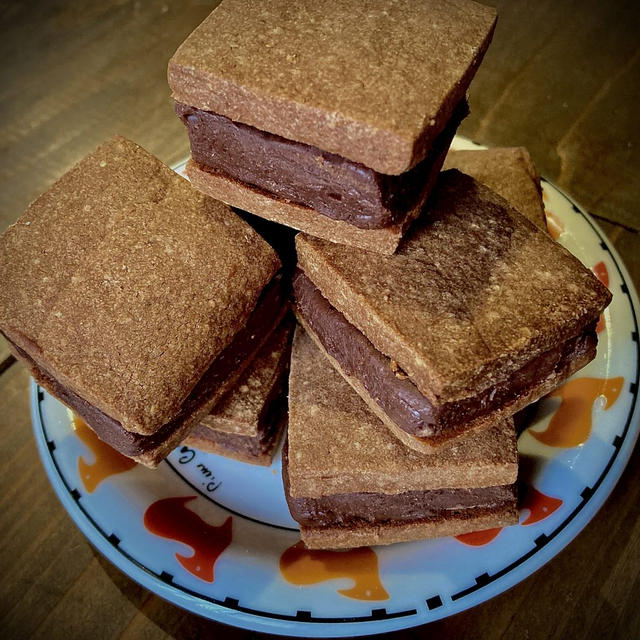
(305, 175)
(396, 395)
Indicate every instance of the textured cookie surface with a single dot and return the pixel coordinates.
(336, 445)
(474, 292)
(510, 172)
(372, 81)
(124, 282)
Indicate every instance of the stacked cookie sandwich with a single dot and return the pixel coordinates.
(134, 299)
(333, 118)
(350, 483)
(156, 313)
(478, 314)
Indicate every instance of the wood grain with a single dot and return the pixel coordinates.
(560, 78)
(104, 73)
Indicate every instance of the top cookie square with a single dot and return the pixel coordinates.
(373, 81)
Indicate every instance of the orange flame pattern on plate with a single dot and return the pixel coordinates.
(570, 425)
(170, 518)
(554, 226)
(107, 461)
(600, 272)
(478, 538)
(539, 505)
(301, 566)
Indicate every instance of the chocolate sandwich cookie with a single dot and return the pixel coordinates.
(510, 172)
(246, 424)
(135, 299)
(327, 117)
(478, 314)
(349, 483)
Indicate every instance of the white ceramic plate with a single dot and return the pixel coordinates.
(214, 536)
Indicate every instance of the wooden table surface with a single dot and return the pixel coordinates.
(562, 78)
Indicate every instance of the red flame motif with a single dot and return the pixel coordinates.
(301, 566)
(106, 461)
(554, 226)
(600, 272)
(170, 518)
(478, 538)
(539, 505)
(570, 425)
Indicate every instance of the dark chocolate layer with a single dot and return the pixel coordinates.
(305, 175)
(263, 318)
(394, 392)
(351, 509)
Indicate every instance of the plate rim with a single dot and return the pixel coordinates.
(254, 620)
